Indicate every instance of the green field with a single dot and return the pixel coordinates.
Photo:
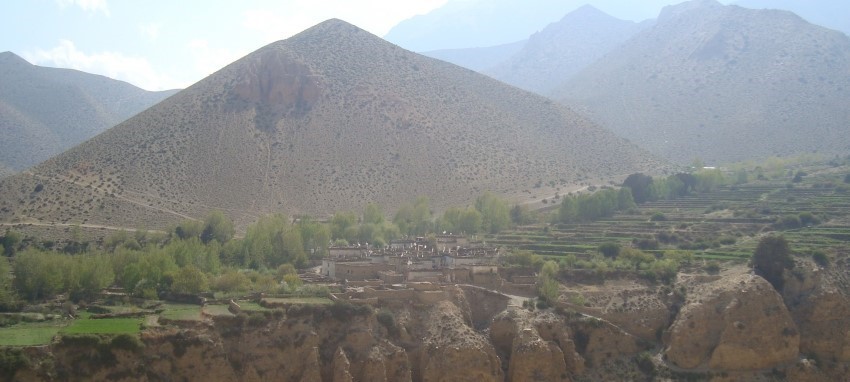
(299, 300)
(86, 325)
(182, 312)
(29, 334)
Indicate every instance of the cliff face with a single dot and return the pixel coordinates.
(736, 323)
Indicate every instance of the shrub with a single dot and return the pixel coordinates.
(807, 219)
(712, 268)
(820, 258)
(658, 217)
(12, 360)
(789, 222)
(610, 250)
(771, 258)
(127, 342)
(386, 318)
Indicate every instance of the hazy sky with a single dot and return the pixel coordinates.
(164, 44)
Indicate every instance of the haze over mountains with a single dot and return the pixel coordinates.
(723, 83)
(44, 111)
(328, 120)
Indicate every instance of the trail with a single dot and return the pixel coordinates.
(93, 226)
(117, 196)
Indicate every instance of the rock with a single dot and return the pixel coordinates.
(737, 323)
(341, 367)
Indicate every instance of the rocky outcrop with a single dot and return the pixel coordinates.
(737, 323)
(454, 351)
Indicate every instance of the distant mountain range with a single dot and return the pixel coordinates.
(327, 120)
(723, 83)
(833, 14)
(44, 111)
(564, 48)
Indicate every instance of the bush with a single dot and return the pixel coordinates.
(771, 258)
(127, 342)
(807, 219)
(386, 318)
(712, 268)
(610, 250)
(820, 258)
(658, 217)
(12, 360)
(789, 222)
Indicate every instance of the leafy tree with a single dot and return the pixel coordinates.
(414, 219)
(639, 184)
(87, 274)
(340, 222)
(373, 214)
(521, 215)
(8, 299)
(460, 220)
(625, 200)
(189, 228)
(189, 280)
(38, 274)
(609, 250)
(709, 179)
(495, 213)
(568, 212)
(548, 282)
(315, 236)
(217, 226)
(11, 241)
(771, 258)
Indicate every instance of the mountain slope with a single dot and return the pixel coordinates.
(327, 120)
(723, 83)
(828, 13)
(44, 111)
(478, 59)
(562, 49)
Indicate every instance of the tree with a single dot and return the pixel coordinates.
(495, 213)
(38, 274)
(548, 282)
(8, 300)
(189, 228)
(10, 243)
(771, 258)
(373, 214)
(639, 184)
(609, 250)
(189, 280)
(217, 226)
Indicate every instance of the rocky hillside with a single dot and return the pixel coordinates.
(45, 111)
(723, 83)
(562, 49)
(828, 13)
(732, 326)
(328, 120)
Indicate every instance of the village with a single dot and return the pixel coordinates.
(422, 263)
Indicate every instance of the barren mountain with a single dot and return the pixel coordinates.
(723, 83)
(829, 13)
(44, 111)
(328, 120)
(562, 49)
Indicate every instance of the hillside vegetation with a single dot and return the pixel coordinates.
(328, 120)
(44, 111)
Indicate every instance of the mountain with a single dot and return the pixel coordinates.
(478, 59)
(562, 49)
(44, 111)
(463, 24)
(723, 83)
(828, 13)
(327, 120)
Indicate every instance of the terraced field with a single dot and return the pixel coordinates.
(723, 225)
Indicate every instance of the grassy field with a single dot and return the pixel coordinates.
(300, 300)
(29, 334)
(86, 325)
(182, 312)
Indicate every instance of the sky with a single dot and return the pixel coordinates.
(168, 44)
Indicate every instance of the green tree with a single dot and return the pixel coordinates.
(340, 222)
(640, 186)
(771, 258)
(373, 214)
(38, 274)
(548, 282)
(217, 226)
(11, 241)
(189, 228)
(495, 213)
(8, 299)
(88, 274)
(609, 250)
(189, 280)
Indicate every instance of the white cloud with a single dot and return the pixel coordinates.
(150, 31)
(86, 5)
(135, 70)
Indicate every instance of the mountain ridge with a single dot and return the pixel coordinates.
(44, 111)
(678, 88)
(328, 120)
